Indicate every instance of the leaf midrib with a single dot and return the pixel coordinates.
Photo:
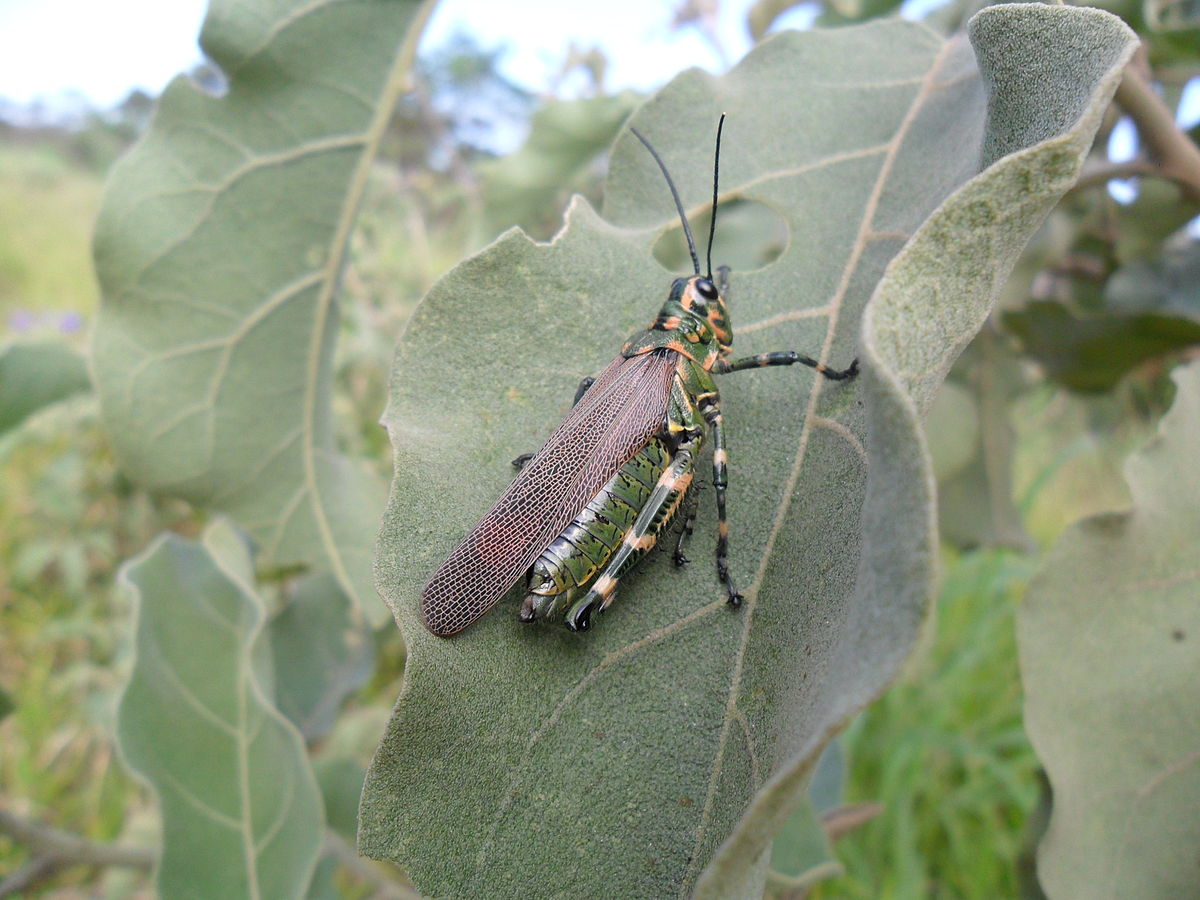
(733, 712)
(393, 88)
(752, 592)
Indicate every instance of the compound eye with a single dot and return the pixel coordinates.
(706, 289)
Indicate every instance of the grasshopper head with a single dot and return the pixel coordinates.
(695, 306)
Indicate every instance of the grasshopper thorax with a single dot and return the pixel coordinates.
(693, 321)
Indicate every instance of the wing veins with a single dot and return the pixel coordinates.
(623, 409)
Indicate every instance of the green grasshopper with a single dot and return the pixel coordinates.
(588, 506)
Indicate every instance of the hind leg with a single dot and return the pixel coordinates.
(685, 532)
(639, 539)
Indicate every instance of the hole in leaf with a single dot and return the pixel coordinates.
(750, 235)
(210, 78)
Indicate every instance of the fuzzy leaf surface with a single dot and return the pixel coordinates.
(659, 754)
(240, 806)
(219, 246)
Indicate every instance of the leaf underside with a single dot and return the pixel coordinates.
(241, 810)
(218, 248)
(322, 653)
(657, 755)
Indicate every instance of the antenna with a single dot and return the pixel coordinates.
(687, 230)
(712, 221)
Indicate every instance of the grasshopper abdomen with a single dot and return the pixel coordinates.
(566, 569)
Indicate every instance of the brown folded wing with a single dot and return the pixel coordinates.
(622, 410)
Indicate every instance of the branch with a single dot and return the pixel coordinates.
(53, 850)
(33, 873)
(1172, 150)
(1092, 176)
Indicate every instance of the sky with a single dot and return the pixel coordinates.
(99, 51)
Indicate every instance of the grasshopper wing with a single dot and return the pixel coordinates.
(621, 411)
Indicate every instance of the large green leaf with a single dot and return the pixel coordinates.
(241, 810)
(674, 739)
(1092, 353)
(218, 248)
(1108, 659)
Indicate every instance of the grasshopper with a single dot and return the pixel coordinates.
(615, 475)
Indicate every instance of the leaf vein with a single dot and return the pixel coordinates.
(288, 794)
(751, 750)
(842, 431)
(286, 21)
(892, 148)
(185, 693)
(568, 698)
(196, 802)
(283, 520)
(394, 86)
(233, 488)
(217, 190)
(795, 315)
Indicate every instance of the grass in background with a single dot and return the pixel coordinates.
(67, 520)
(59, 546)
(66, 526)
(945, 752)
(47, 206)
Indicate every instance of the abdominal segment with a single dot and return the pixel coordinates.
(572, 562)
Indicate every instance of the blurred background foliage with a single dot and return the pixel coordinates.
(1028, 436)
